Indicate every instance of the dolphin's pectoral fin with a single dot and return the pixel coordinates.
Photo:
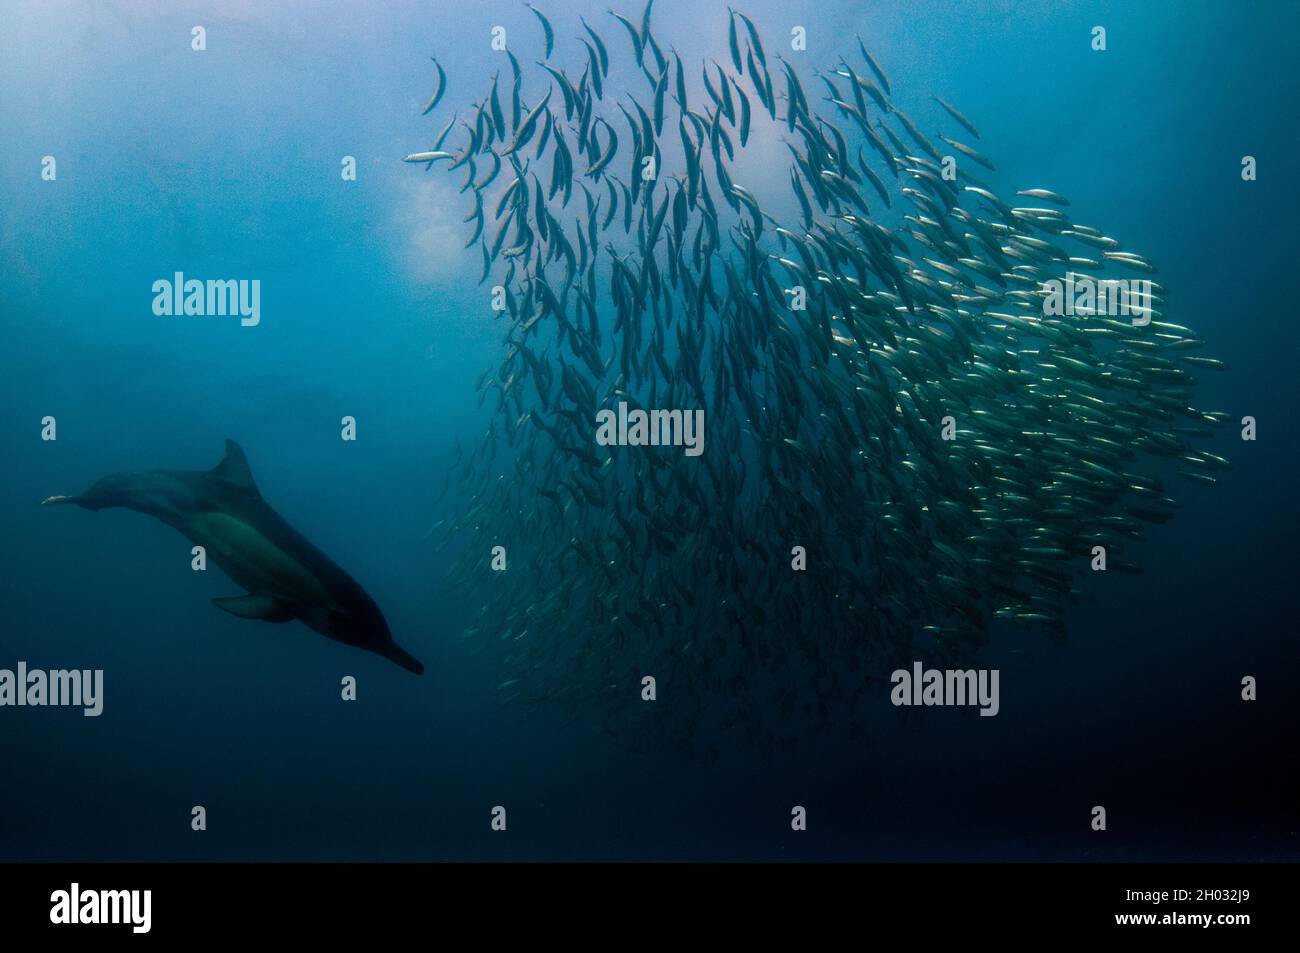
(265, 608)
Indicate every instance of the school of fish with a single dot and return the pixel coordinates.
(828, 343)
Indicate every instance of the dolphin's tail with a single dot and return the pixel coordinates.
(393, 651)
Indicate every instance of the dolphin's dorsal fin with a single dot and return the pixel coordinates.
(234, 467)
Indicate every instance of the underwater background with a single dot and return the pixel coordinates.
(225, 164)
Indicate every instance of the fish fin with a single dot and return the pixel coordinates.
(266, 608)
(234, 467)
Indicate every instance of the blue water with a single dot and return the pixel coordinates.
(226, 164)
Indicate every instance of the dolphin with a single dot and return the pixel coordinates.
(286, 576)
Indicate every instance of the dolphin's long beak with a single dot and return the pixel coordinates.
(59, 499)
(394, 652)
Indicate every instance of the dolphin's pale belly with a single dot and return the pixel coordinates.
(256, 563)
